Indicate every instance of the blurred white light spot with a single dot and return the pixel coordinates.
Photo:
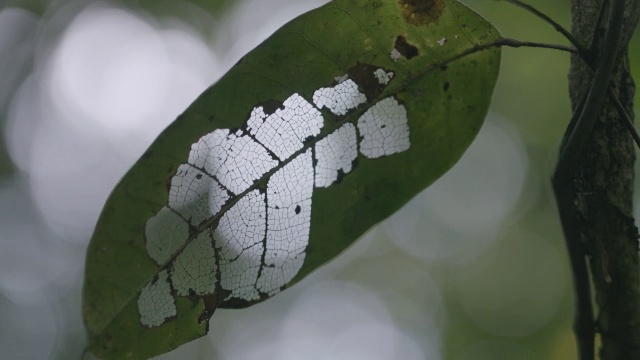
(115, 70)
(112, 83)
(417, 302)
(526, 272)
(349, 320)
(111, 66)
(458, 216)
(70, 177)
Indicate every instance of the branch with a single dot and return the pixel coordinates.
(584, 53)
(590, 112)
(581, 126)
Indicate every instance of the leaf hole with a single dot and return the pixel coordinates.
(406, 49)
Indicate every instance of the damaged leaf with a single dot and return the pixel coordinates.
(325, 129)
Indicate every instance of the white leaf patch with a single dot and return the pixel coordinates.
(235, 160)
(257, 245)
(336, 152)
(165, 233)
(241, 236)
(194, 269)
(288, 222)
(395, 54)
(384, 129)
(340, 98)
(284, 131)
(382, 76)
(195, 195)
(156, 304)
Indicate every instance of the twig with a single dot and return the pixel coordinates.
(517, 43)
(511, 43)
(587, 55)
(581, 50)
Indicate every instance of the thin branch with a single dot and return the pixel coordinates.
(508, 42)
(587, 55)
(624, 116)
(574, 118)
(512, 43)
(517, 43)
(566, 33)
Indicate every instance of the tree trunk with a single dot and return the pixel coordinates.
(601, 208)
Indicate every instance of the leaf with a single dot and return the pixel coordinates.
(325, 129)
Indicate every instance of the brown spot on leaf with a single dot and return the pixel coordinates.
(421, 12)
(405, 49)
(363, 75)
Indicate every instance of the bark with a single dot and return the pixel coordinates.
(596, 204)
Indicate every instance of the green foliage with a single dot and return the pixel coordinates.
(445, 97)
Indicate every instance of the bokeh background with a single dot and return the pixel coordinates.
(473, 268)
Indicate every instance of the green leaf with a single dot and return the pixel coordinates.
(325, 129)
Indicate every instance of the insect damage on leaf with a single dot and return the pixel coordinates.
(403, 48)
(372, 79)
(421, 12)
(155, 302)
(221, 232)
(384, 129)
(383, 76)
(322, 131)
(340, 98)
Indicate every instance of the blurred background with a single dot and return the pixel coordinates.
(474, 268)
